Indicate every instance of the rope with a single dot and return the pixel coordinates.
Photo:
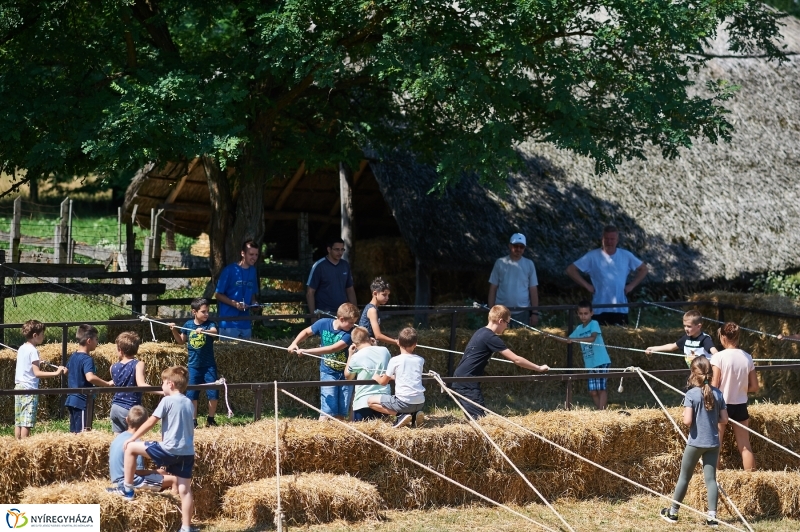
(580, 457)
(415, 462)
(227, 404)
(686, 441)
(498, 449)
(748, 429)
(754, 331)
(278, 512)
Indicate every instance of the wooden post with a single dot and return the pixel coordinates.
(346, 204)
(13, 239)
(70, 243)
(304, 253)
(63, 378)
(134, 263)
(60, 248)
(151, 257)
(570, 327)
(2, 295)
(423, 293)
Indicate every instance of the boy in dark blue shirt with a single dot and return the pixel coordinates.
(202, 365)
(82, 374)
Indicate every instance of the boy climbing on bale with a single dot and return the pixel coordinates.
(127, 371)
(175, 451)
(143, 479)
(26, 377)
(370, 316)
(694, 343)
(334, 341)
(82, 373)
(202, 365)
(409, 394)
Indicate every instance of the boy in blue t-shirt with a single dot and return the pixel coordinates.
(595, 355)
(81, 373)
(202, 365)
(334, 342)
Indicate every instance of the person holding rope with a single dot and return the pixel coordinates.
(409, 393)
(595, 354)
(127, 371)
(480, 348)
(364, 361)
(330, 283)
(370, 316)
(694, 343)
(82, 373)
(705, 413)
(237, 291)
(735, 375)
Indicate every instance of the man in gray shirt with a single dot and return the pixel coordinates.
(513, 282)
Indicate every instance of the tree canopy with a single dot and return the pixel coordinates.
(258, 86)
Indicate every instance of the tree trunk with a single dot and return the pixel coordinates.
(346, 203)
(219, 192)
(33, 189)
(249, 221)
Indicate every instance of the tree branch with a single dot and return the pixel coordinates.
(146, 10)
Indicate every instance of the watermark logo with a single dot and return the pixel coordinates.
(16, 518)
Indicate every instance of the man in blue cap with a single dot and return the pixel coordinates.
(513, 282)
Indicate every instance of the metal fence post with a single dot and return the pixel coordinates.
(2, 295)
(570, 325)
(453, 325)
(64, 338)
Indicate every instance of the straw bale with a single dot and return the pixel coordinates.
(757, 494)
(12, 472)
(305, 499)
(148, 511)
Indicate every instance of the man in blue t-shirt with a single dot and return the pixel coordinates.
(237, 291)
(608, 268)
(81, 373)
(330, 283)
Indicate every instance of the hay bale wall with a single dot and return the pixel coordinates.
(153, 512)
(757, 494)
(305, 499)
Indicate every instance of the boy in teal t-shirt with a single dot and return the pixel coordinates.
(595, 356)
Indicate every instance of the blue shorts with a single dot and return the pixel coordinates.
(335, 400)
(598, 385)
(202, 376)
(180, 466)
(235, 332)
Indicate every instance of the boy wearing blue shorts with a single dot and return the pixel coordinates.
(595, 355)
(202, 365)
(334, 342)
(175, 451)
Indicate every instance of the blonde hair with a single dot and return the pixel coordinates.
(348, 311)
(137, 415)
(730, 331)
(700, 377)
(177, 375)
(499, 312)
(693, 315)
(407, 338)
(359, 335)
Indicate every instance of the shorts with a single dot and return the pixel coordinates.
(180, 466)
(367, 414)
(598, 385)
(738, 412)
(235, 333)
(118, 422)
(335, 400)
(472, 391)
(391, 402)
(77, 419)
(612, 318)
(25, 408)
(202, 376)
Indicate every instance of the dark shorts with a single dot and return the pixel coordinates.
(180, 466)
(612, 318)
(366, 414)
(202, 376)
(77, 419)
(738, 412)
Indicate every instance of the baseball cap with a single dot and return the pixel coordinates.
(518, 238)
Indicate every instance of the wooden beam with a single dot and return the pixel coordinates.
(189, 208)
(83, 289)
(285, 193)
(33, 269)
(288, 215)
(173, 194)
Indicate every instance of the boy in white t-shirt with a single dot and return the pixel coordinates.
(409, 394)
(27, 377)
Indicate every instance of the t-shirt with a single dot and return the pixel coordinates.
(200, 346)
(734, 365)
(478, 352)
(79, 365)
(609, 275)
(332, 362)
(116, 457)
(365, 363)
(124, 374)
(177, 424)
(594, 354)
(330, 282)
(700, 345)
(704, 432)
(407, 372)
(364, 321)
(513, 279)
(239, 284)
(26, 356)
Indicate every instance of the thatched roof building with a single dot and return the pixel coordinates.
(716, 212)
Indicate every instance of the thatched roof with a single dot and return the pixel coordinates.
(717, 211)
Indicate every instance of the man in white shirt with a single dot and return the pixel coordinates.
(513, 282)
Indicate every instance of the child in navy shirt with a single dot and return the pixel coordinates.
(128, 371)
(370, 316)
(82, 373)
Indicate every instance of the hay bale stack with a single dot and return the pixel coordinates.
(148, 511)
(305, 499)
(757, 494)
(13, 470)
